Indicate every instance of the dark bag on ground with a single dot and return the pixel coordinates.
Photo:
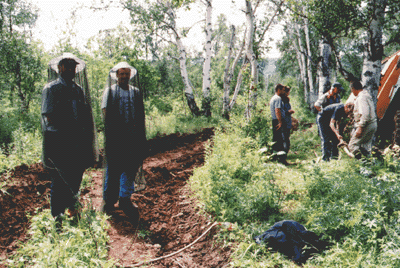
(293, 240)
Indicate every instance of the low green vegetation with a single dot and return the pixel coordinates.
(353, 204)
(81, 243)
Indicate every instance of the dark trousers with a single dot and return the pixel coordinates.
(64, 188)
(329, 141)
(286, 139)
(277, 138)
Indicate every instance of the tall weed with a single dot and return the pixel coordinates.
(234, 183)
(81, 243)
(357, 202)
(26, 148)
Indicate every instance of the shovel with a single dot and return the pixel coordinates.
(343, 144)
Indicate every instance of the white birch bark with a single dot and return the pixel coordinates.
(298, 53)
(323, 70)
(303, 69)
(374, 49)
(228, 76)
(252, 103)
(238, 85)
(312, 96)
(240, 75)
(206, 105)
(182, 64)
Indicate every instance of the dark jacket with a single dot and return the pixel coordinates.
(68, 137)
(125, 142)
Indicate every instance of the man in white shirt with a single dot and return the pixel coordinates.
(125, 140)
(365, 121)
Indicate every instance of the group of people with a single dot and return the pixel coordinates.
(331, 112)
(68, 132)
(68, 137)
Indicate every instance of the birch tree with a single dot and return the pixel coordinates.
(252, 102)
(228, 75)
(239, 78)
(324, 69)
(374, 48)
(312, 96)
(206, 104)
(159, 19)
(302, 59)
(253, 47)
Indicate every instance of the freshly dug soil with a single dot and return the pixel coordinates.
(169, 217)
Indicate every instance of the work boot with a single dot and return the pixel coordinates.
(131, 211)
(106, 207)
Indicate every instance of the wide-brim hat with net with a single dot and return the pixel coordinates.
(122, 65)
(80, 64)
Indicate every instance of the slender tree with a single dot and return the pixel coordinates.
(206, 104)
(158, 19)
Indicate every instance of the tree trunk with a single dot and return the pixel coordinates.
(303, 69)
(182, 64)
(206, 105)
(323, 71)
(240, 75)
(21, 95)
(252, 102)
(373, 53)
(312, 94)
(238, 85)
(228, 76)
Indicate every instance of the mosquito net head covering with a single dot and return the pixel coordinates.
(113, 79)
(80, 79)
(138, 178)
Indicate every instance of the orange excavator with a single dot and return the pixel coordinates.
(388, 103)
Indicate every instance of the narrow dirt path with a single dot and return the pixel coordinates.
(169, 217)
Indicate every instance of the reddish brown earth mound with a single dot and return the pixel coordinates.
(169, 217)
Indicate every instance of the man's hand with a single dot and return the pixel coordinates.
(342, 143)
(359, 132)
(278, 126)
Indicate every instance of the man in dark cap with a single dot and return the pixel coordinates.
(330, 96)
(67, 126)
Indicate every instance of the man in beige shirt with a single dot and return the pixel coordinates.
(365, 121)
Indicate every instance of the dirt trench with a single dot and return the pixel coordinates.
(169, 217)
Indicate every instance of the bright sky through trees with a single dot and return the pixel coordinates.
(55, 19)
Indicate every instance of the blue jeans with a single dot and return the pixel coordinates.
(117, 184)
